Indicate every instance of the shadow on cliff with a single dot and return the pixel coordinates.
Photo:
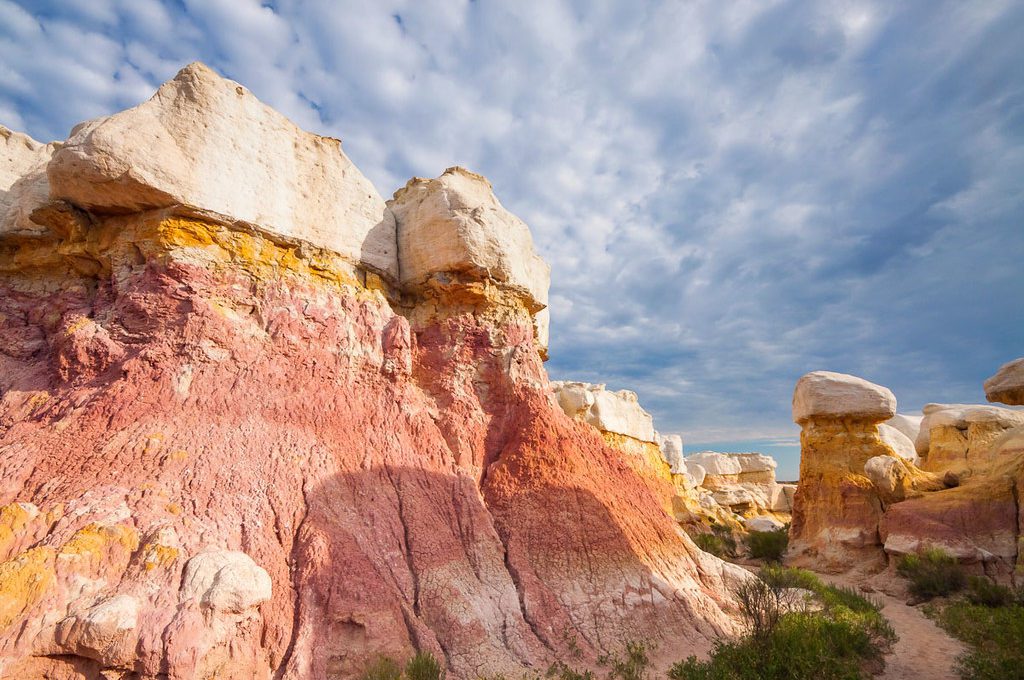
(389, 560)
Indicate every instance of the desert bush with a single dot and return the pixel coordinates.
(710, 543)
(422, 666)
(932, 573)
(845, 640)
(768, 545)
(560, 671)
(984, 591)
(383, 668)
(632, 664)
(995, 636)
(759, 605)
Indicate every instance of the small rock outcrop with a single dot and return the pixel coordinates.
(23, 183)
(954, 437)
(1007, 385)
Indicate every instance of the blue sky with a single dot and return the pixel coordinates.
(729, 194)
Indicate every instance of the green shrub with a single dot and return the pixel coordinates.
(932, 573)
(383, 668)
(710, 543)
(768, 545)
(423, 666)
(560, 671)
(632, 664)
(804, 646)
(845, 640)
(986, 592)
(995, 636)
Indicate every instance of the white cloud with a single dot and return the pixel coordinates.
(730, 194)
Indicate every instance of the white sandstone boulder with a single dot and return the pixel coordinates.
(105, 631)
(696, 472)
(615, 412)
(715, 463)
(763, 523)
(206, 142)
(900, 443)
(225, 581)
(23, 183)
(1007, 385)
(455, 225)
(671, 446)
(824, 394)
(909, 425)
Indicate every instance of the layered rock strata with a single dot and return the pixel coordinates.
(238, 439)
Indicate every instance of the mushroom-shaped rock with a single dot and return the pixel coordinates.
(1007, 385)
(824, 394)
(900, 443)
(225, 581)
(23, 183)
(206, 142)
(455, 225)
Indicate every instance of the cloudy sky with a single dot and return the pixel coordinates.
(730, 194)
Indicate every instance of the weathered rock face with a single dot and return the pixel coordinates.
(23, 183)
(742, 482)
(1007, 385)
(230, 450)
(957, 437)
(836, 508)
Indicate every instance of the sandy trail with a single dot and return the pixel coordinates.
(924, 651)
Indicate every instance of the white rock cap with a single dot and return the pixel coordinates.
(824, 394)
(961, 416)
(23, 183)
(1007, 385)
(455, 224)
(615, 412)
(207, 142)
(715, 463)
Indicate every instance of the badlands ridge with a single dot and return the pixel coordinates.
(258, 422)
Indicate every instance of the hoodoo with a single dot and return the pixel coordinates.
(255, 422)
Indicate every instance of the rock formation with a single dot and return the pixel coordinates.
(1007, 385)
(255, 422)
(965, 501)
(956, 437)
(743, 482)
(836, 508)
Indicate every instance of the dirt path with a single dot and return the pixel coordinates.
(924, 651)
